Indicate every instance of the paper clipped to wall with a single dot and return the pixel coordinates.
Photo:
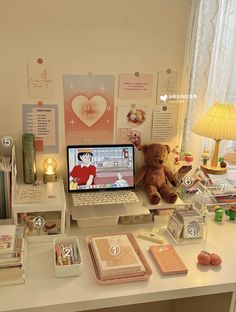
(89, 108)
(40, 79)
(167, 84)
(43, 122)
(133, 86)
(165, 122)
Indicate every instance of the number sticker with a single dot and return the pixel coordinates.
(115, 250)
(188, 181)
(7, 141)
(39, 222)
(67, 252)
(222, 187)
(192, 231)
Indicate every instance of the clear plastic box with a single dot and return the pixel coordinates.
(187, 225)
(212, 196)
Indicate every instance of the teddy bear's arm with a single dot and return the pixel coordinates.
(171, 177)
(140, 174)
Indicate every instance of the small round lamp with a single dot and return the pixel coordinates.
(49, 167)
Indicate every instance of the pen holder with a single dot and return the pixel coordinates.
(67, 256)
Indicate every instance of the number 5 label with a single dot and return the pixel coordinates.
(7, 141)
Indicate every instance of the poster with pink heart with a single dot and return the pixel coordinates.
(89, 109)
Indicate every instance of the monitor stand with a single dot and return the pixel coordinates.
(101, 215)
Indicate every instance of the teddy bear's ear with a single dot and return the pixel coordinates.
(168, 148)
(144, 148)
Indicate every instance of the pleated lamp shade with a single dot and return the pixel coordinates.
(218, 123)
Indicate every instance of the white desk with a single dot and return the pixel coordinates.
(44, 292)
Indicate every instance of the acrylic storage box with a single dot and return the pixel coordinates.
(211, 196)
(187, 225)
(70, 262)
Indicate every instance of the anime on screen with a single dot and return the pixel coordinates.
(100, 167)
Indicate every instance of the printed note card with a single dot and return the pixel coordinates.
(133, 86)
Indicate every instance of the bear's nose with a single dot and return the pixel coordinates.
(161, 161)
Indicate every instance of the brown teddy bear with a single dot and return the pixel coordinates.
(155, 174)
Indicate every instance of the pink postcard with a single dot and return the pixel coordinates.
(89, 109)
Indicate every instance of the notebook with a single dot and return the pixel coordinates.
(168, 260)
(106, 172)
(7, 238)
(115, 256)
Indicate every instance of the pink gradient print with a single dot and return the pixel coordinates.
(89, 109)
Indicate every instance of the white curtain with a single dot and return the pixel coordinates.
(210, 64)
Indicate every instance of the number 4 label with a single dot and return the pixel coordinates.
(39, 222)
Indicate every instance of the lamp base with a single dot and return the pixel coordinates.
(49, 178)
(213, 170)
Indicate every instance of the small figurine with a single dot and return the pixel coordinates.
(135, 138)
(205, 156)
(176, 154)
(188, 157)
(222, 162)
(219, 212)
(231, 213)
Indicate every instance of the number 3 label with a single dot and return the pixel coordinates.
(192, 231)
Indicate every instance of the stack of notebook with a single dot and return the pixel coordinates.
(115, 257)
(12, 255)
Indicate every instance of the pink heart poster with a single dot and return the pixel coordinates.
(89, 109)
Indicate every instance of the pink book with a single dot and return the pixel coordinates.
(167, 259)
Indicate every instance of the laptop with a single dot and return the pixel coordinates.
(101, 181)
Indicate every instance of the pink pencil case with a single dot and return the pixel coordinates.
(114, 279)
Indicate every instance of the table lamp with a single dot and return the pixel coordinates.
(49, 167)
(219, 123)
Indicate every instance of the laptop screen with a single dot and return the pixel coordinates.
(100, 167)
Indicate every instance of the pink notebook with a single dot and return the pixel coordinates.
(117, 272)
(168, 260)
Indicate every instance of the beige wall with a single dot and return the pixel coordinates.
(81, 36)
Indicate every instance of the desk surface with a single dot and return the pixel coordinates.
(44, 292)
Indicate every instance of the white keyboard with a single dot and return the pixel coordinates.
(103, 198)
